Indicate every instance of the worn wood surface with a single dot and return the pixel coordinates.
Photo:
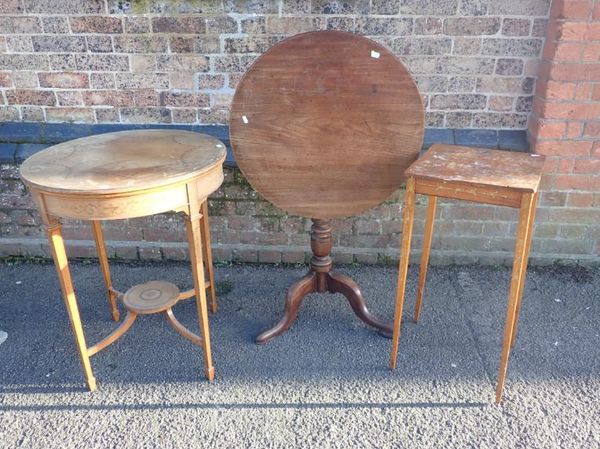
(122, 161)
(324, 124)
(480, 167)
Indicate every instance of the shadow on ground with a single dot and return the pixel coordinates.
(325, 383)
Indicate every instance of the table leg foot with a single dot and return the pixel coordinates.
(340, 283)
(293, 299)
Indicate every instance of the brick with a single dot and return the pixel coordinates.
(32, 114)
(466, 46)
(55, 25)
(438, 8)
(475, 26)
(245, 255)
(566, 9)
(422, 46)
(136, 24)
(102, 62)
(565, 52)
(19, 25)
(143, 97)
(587, 166)
(145, 115)
(182, 80)
(5, 80)
(32, 97)
(524, 104)
(182, 62)
(572, 111)
(59, 44)
(106, 115)
(23, 62)
(256, 44)
(220, 24)
(184, 115)
(194, 44)
(578, 182)
(564, 148)
(465, 66)
(512, 47)
(574, 130)
(185, 99)
(10, 7)
(134, 43)
(96, 24)
(509, 66)
(554, 90)
(62, 62)
(142, 81)
(72, 6)
(385, 7)
(428, 26)
(518, 7)
(516, 27)
(102, 81)
(69, 98)
(579, 199)
(99, 44)
(551, 130)
(498, 103)
(591, 129)
(370, 26)
(335, 7)
(591, 53)
(208, 81)
(496, 121)
(458, 101)
(184, 25)
(19, 44)
(142, 63)
(107, 98)
(64, 80)
(505, 85)
(293, 25)
(253, 25)
(269, 256)
(76, 115)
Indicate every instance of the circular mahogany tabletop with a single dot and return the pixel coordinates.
(123, 161)
(324, 124)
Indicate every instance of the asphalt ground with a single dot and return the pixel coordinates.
(323, 384)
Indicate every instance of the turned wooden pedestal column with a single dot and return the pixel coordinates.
(320, 279)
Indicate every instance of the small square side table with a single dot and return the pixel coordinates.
(480, 175)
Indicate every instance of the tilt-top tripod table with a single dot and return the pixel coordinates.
(125, 175)
(323, 125)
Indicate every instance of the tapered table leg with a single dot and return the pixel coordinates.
(59, 255)
(527, 204)
(207, 255)
(101, 250)
(195, 248)
(407, 225)
(428, 234)
(524, 269)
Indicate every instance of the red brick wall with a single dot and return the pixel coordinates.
(565, 122)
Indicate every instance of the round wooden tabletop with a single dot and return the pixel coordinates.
(324, 124)
(123, 161)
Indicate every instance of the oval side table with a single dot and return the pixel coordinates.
(123, 175)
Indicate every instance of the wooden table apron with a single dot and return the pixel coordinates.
(186, 194)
